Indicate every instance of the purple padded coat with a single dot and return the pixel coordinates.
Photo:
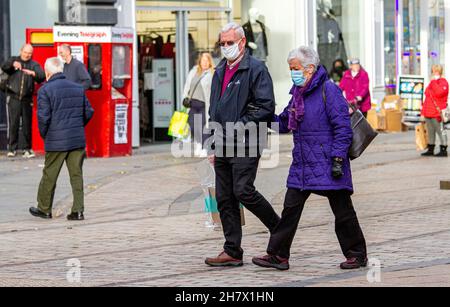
(324, 133)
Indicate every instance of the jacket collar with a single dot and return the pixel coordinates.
(58, 76)
(244, 64)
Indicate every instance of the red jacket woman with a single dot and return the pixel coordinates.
(436, 97)
(356, 86)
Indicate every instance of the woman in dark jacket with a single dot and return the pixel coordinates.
(322, 138)
(338, 70)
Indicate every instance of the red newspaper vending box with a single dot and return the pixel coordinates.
(107, 53)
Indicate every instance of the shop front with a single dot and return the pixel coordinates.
(171, 36)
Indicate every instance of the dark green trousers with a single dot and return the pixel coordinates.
(53, 165)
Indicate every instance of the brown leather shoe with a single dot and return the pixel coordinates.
(272, 262)
(354, 264)
(224, 260)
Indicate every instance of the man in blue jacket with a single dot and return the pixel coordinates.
(63, 112)
(241, 95)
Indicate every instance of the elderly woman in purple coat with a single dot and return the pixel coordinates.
(318, 116)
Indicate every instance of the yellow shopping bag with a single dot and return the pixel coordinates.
(179, 127)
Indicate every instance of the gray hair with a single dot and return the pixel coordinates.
(54, 66)
(234, 26)
(67, 47)
(306, 55)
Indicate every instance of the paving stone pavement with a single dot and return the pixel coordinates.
(145, 225)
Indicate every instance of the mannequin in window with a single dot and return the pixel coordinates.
(331, 41)
(255, 32)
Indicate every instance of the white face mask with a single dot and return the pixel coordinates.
(231, 53)
(436, 77)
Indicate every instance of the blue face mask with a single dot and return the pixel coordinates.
(298, 77)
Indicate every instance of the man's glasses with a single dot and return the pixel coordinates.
(227, 44)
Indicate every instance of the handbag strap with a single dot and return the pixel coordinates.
(196, 85)
(324, 97)
(435, 104)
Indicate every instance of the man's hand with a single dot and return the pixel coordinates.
(17, 65)
(212, 159)
(29, 72)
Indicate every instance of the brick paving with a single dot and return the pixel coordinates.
(145, 225)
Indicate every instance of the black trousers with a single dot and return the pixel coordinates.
(235, 179)
(198, 108)
(348, 230)
(16, 110)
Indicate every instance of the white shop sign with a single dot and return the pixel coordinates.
(75, 34)
(163, 94)
(121, 124)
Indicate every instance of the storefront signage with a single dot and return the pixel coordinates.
(121, 124)
(163, 94)
(411, 90)
(73, 34)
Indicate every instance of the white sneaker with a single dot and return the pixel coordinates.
(29, 154)
(12, 154)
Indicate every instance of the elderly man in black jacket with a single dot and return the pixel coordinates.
(23, 73)
(63, 112)
(242, 96)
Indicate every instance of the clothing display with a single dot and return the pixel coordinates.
(256, 33)
(331, 45)
(152, 46)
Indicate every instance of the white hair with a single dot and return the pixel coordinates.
(306, 55)
(54, 66)
(234, 26)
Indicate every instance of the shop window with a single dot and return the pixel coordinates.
(411, 52)
(121, 66)
(338, 31)
(390, 39)
(95, 67)
(436, 40)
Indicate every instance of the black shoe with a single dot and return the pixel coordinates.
(76, 217)
(443, 153)
(430, 152)
(272, 262)
(38, 213)
(354, 264)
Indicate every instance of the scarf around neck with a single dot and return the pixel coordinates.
(297, 111)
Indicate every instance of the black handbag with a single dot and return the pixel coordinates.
(187, 102)
(363, 133)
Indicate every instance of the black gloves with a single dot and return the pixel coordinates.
(337, 170)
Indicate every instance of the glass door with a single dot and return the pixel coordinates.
(411, 44)
(436, 39)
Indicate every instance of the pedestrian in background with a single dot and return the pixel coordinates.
(356, 86)
(436, 100)
(23, 74)
(319, 119)
(63, 112)
(74, 70)
(338, 70)
(197, 94)
(242, 92)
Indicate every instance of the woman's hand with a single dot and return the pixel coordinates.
(337, 170)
